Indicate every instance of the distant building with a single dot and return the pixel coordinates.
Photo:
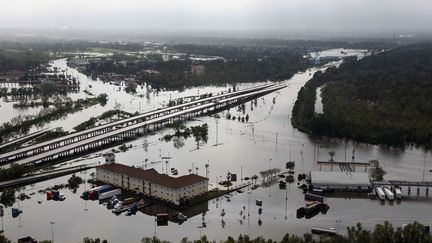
(150, 182)
(122, 63)
(197, 69)
(13, 75)
(131, 84)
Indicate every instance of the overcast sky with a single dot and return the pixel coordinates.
(219, 15)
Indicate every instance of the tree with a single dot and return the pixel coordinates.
(332, 154)
(90, 240)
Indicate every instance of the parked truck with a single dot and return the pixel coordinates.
(313, 197)
(380, 193)
(101, 189)
(389, 194)
(94, 193)
(109, 194)
(398, 193)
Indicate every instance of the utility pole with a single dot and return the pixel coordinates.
(241, 175)
(269, 176)
(345, 150)
(207, 166)
(353, 154)
(314, 150)
(1, 215)
(290, 153)
(249, 193)
(217, 132)
(166, 166)
(424, 166)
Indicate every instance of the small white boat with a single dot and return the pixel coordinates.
(389, 194)
(398, 193)
(380, 193)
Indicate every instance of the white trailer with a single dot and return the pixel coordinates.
(398, 193)
(100, 188)
(380, 193)
(389, 194)
(109, 194)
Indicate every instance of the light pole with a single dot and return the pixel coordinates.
(200, 227)
(166, 166)
(270, 165)
(207, 167)
(269, 177)
(424, 166)
(249, 193)
(52, 231)
(337, 225)
(85, 189)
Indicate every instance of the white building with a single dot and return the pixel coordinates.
(340, 180)
(151, 183)
(109, 158)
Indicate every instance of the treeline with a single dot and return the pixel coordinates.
(21, 59)
(241, 64)
(91, 122)
(382, 99)
(56, 46)
(309, 45)
(39, 89)
(414, 232)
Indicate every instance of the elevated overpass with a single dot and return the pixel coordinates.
(138, 128)
(75, 137)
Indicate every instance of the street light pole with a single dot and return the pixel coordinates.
(249, 193)
(52, 231)
(270, 176)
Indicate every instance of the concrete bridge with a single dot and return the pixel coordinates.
(97, 137)
(96, 131)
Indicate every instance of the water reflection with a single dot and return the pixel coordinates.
(242, 148)
(190, 212)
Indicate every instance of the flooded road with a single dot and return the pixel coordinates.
(267, 141)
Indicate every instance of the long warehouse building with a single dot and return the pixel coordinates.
(171, 189)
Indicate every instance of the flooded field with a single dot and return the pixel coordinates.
(266, 141)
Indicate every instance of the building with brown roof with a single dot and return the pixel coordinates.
(151, 183)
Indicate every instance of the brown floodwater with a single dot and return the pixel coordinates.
(267, 141)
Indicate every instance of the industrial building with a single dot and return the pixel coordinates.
(340, 180)
(171, 189)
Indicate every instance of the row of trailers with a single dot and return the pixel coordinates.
(391, 193)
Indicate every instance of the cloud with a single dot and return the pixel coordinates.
(230, 15)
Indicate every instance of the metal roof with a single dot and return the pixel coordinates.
(340, 178)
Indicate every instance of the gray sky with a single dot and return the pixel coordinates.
(219, 15)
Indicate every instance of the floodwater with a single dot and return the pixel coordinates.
(319, 109)
(267, 141)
